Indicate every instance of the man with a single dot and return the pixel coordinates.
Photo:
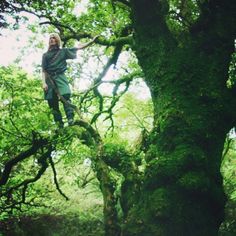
(55, 83)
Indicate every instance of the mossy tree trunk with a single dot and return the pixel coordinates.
(106, 183)
(108, 187)
(182, 192)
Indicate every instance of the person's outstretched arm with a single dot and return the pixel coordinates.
(82, 46)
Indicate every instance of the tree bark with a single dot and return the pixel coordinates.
(108, 187)
(106, 182)
(182, 191)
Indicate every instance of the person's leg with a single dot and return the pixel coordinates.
(68, 109)
(54, 105)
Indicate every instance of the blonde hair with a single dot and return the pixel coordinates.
(57, 37)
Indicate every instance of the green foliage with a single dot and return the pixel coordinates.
(24, 113)
(131, 119)
(182, 15)
(20, 99)
(232, 72)
(228, 171)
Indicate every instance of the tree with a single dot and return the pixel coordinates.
(184, 49)
(186, 73)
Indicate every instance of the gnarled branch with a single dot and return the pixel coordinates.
(55, 178)
(37, 144)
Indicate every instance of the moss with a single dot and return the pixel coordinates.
(141, 222)
(164, 170)
(78, 132)
(117, 157)
(152, 153)
(194, 182)
(150, 214)
(159, 203)
(161, 171)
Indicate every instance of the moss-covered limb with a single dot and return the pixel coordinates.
(108, 187)
(107, 183)
(126, 164)
(117, 157)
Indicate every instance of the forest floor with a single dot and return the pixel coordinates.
(51, 225)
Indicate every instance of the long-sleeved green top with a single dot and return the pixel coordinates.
(54, 63)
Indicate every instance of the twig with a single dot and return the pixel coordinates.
(55, 178)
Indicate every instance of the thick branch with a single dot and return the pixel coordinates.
(107, 184)
(43, 162)
(125, 2)
(94, 134)
(59, 26)
(37, 144)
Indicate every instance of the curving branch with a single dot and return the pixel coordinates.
(123, 40)
(43, 162)
(115, 98)
(77, 35)
(37, 144)
(112, 60)
(11, 203)
(124, 2)
(59, 26)
(55, 178)
(107, 184)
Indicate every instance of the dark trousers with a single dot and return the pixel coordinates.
(54, 105)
